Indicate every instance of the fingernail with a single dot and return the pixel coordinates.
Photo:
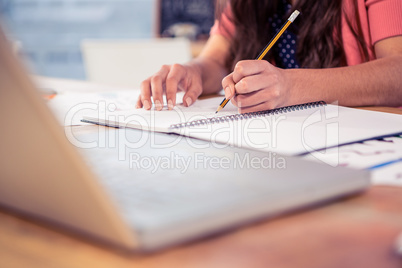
(158, 105)
(189, 101)
(227, 92)
(170, 104)
(147, 106)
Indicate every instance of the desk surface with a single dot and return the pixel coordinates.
(355, 232)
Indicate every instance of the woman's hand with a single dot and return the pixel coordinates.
(256, 85)
(169, 80)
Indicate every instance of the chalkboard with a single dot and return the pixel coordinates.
(199, 13)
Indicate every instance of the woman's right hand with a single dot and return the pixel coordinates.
(169, 80)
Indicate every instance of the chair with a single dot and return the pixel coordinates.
(128, 62)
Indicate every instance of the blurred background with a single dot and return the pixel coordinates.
(51, 34)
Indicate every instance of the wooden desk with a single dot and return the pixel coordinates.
(356, 232)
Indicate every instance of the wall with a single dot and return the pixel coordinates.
(50, 31)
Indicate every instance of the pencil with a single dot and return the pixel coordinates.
(291, 19)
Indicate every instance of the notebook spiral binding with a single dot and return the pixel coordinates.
(227, 118)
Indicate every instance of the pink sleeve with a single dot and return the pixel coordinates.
(379, 19)
(385, 18)
(225, 26)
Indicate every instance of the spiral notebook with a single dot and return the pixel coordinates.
(290, 130)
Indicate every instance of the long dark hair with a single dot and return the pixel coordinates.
(318, 30)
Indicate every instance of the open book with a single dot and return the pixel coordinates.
(288, 130)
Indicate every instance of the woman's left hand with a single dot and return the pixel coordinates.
(256, 85)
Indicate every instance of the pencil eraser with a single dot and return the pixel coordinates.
(294, 15)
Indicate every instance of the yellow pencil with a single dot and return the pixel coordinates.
(267, 48)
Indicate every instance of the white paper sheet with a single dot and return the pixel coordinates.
(383, 157)
(290, 132)
(69, 108)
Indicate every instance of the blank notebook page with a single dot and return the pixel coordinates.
(290, 130)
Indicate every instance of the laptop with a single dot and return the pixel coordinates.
(139, 190)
